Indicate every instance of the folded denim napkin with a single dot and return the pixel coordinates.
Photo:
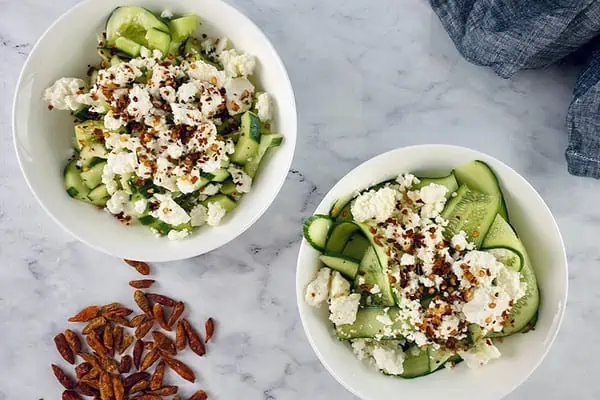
(510, 35)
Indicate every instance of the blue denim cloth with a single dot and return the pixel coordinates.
(510, 35)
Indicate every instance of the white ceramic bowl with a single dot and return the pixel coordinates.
(42, 138)
(521, 353)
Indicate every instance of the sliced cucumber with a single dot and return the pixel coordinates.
(356, 247)
(73, 183)
(478, 176)
(439, 357)
(339, 205)
(225, 201)
(132, 22)
(371, 272)
(367, 324)
(125, 180)
(128, 46)
(247, 146)
(316, 229)
(472, 212)
(175, 48)
(346, 213)
(447, 181)
(158, 40)
(99, 196)
(229, 188)
(115, 60)
(344, 265)
(88, 132)
(93, 76)
(501, 234)
(375, 266)
(416, 363)
(267, 142)
(511, 258)
(93, 176)
(91, 152)
(339, 235)
(183, 27)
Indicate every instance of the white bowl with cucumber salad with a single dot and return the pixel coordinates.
(449, 286)
(158, 121)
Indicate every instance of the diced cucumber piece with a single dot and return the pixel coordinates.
(501, 234)
(416, 362)
(247, 146)
(128, 46)
(316, 229)
(115, 60)
(192, 50)
(447, 181)
(229, 188)
(371, 273)
(368, 325)
(511, 258)
(105, 54)
(344, 265)
(183, 27)
(158, 40)
(83, 114)
(99, 196)
(478, 176)
(356, 247)
(339, 235)
(93, 176)
(145, 187)
(267, 142)
(125, 180)
(229, 127)
(225, 201)
(91, 152)
(73, 183)
(472, 212)
(175, 48)
(132, 22)
(88, 132)
(220, 175)
(339, 205)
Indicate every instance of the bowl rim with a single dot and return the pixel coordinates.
(305, 246)
(170, 256)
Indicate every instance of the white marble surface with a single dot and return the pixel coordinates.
(369, 77)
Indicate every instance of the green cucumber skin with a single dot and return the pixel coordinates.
(307, 234)
(339, 235)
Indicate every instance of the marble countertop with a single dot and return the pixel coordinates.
(367, 79)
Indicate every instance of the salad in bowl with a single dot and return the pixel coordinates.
(421, 273)
(170, 130)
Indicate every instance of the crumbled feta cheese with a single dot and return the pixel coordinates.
(139, 103)
(211, 100)
(204, 72)
(460, 242)
(168, 94)
(140, 206)
(108, 179)
(480, 355)
(211, 189)
(407, 259)
(121, 75)
(187, 92)
(62, 95)
(175, 150)
(121, 163)
(434, 197)
(117, 202)
(186, 185)
(238, 92)
(166, 14)
(186, 115)
(243, 182)
(178, 235)
(112, 123)
(343, 309)
(360, 348)
(237, 64)
(377, 205)
(317, 291)
(339, 285)
(264, 107)
(216, 212)
(169, 211)
(199, 215)
(407, 181)
(388, 360)
(375, 289)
